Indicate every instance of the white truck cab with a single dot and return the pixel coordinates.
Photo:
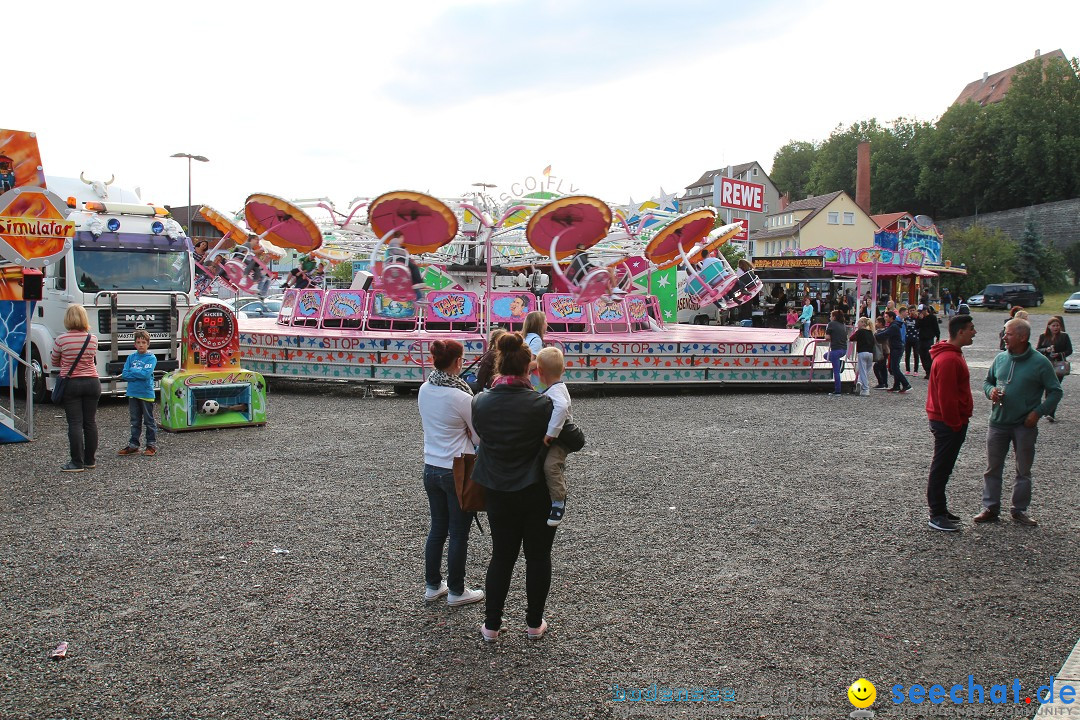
(130, 265)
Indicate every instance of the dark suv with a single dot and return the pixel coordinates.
(1005, 295)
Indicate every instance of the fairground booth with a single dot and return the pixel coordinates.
(902, 231)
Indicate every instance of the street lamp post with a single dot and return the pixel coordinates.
(189, 157)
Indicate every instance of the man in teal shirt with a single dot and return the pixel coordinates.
(1017, 382)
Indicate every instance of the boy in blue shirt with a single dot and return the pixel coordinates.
(139, 373)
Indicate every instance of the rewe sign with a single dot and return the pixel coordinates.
(744, 234)
(739, 194)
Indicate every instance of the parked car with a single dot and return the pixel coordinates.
(1005, 295)
(975, 300)
(253, 307)
(1073, 303)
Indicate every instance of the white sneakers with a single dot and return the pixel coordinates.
(435, 593)
(467, 597)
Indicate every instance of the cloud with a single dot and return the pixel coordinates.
(528, 46)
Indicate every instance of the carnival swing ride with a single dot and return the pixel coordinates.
(456, 269)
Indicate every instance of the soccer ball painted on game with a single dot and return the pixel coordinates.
(210, 407)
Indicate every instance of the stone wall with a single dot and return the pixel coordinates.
(1057, 222)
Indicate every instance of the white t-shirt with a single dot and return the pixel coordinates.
(446, 414)
(560, 410)
(535, 343)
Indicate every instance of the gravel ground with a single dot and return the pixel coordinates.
(774, 544)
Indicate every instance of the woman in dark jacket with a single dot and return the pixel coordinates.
(511, 420)
(837, 333)
(929, 333)
(1055, 345)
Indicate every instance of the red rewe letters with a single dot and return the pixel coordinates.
(742, 195)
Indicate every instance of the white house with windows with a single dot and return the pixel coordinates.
(700, 193)
(832, 221)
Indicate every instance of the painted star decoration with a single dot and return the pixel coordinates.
(667, 202)
(662, 281)
(629, 210)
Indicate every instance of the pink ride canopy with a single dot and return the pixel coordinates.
(234, 234)
(426, 223)
(666, 248)
(282, 223)
(575, 220)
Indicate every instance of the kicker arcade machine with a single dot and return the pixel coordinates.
(211, 390)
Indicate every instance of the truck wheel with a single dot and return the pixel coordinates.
(39, 392)
(701, 320)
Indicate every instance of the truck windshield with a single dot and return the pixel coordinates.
(97, 270)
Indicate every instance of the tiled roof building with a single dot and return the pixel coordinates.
(993, 88)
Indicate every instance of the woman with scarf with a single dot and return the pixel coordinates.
(511, 420)
(446, 413)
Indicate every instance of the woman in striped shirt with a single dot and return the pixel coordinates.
(82, 388)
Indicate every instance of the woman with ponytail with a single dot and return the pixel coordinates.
(446, 415)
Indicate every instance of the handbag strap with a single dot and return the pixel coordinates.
(79, 356)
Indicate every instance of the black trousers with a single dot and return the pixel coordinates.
(924, 353)
(881, 372)
(911, 347)
(81, 396)
(519, 519)
(947, 444)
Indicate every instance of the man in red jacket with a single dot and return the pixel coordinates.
(949, 407)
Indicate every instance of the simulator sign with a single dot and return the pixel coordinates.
(34, 229)
(738, 194)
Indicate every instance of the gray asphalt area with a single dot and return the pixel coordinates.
(767, 548)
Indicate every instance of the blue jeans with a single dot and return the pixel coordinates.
(836, 357)
(447, 518)
(141, 412)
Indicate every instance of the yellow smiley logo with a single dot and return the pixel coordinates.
(862, 693)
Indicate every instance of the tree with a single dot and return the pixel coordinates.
(342, 272)
(1071, 257)
(731, 253)
(835, 165)
(894, 167)
(958, 160)
(791, 168)
(1040, 132)
(989, 256)
(1037, 262)
(1029, 253)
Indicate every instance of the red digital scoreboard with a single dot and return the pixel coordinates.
(212, 339)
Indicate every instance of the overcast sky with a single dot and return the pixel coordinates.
(339, 100)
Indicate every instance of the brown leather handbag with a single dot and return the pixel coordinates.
(470, 496)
